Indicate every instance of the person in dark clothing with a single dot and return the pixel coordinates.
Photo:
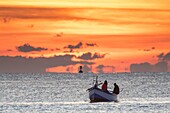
(116, 89)
(104, 86)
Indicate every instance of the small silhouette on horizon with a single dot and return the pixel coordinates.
(80, 69)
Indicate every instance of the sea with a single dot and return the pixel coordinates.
(67, 93)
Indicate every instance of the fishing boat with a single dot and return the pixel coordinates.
(97, 95)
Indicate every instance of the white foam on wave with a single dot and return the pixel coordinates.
(147, 101)
(43, 103)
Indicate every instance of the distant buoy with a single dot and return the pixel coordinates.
(80, 69)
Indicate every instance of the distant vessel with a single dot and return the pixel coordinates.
(80, 69)
(97, 95)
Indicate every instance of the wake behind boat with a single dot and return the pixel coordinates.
(97, 95)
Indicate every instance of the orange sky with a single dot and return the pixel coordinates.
(126, 31)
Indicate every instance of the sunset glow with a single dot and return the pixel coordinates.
(102, 35)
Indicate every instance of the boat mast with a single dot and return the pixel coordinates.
(96, 81)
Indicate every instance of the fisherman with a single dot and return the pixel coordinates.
(104, 86)
(116, 89)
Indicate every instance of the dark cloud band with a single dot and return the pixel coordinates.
(29, 48)
(40, 64)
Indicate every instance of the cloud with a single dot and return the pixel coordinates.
(160, 56)
(40, 64)
(72, 47)
(87, 68)
(152, 48)
(59, 35)
(166, 57)
(100, 68)
(68, 69)
(57, 14)
(147, 67)
(161, 66)
(146, 50)
(29, 48)
(78, 46)
(9, 50)
(31, 26)
(56, 49)
(6, 20)
(105, 15)
(90, 56)
(91, 44)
